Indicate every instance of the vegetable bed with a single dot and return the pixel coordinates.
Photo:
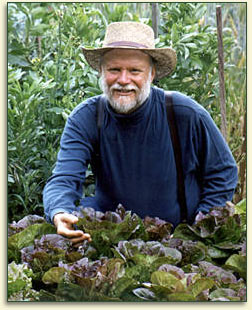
(130, 259)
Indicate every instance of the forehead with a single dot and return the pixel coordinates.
(126, 55)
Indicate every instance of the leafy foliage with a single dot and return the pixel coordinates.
(129, 259)
(124, 263)
(48, 76)
(20, 283)
(190, 28)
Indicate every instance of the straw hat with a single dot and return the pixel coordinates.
(133, 35)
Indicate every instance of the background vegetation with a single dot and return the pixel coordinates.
(48, 76)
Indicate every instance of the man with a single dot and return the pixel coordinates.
(136, 165)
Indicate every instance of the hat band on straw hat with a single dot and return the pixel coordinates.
(133, 35)
(127, 43)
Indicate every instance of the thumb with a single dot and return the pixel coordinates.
(67, 218)
(70, 218)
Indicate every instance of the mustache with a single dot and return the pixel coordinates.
(126, 87)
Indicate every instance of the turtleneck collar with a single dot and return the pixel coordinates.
(135, 116)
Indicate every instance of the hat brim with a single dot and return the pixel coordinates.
(165, 58)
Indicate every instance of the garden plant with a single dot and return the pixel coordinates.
(129, 259)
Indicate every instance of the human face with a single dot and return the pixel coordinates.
(126, 79)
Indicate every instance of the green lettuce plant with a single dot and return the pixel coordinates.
(132, 259)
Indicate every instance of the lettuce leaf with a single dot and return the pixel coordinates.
(26, 238)
(106, 233)
(130, 259)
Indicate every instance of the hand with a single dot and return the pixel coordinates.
(64, 223)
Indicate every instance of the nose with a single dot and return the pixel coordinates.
(124, 77)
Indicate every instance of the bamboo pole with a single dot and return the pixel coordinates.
(221, 73)
(155, 19)
(243, 162)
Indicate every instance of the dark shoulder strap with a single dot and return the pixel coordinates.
(177, 154)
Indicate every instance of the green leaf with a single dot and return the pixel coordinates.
(39, 30)
(18, 60)
(213, 252)
(35, 77)
(17, 48)
(144, 293)
(166, 260)
(197, 63)
(70, 292)
(201, 285)
(19, 278)
(241, 207)
(46, 296)
(122, 286)
(162, 292)
(167, 280)
(188, 37)
(181, 296)
(222, 293)
(174, 33)
(238, 263)
(191, 45)
(16, 75)
(38, 12)
(143, 259)
(187, 52)
(92, 91)
(26, 237)
(107, 233)
(54, 275)
(229, 231)
(115, 269)
(227, 245)
(138, 272)
(172, 256)
(206, 228)
(183, 231)
(16, 286)
(192, 252)
(55, 110)
(48, 84)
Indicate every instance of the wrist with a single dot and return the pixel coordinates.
(54, 217)
(56, 211)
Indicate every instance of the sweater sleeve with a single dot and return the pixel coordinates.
(65, 186)
(217, 167)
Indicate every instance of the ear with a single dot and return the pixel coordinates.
(101, 69)
(153, 73)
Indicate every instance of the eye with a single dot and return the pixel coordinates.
(135, 71)
(114, 70)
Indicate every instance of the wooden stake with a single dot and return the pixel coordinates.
(155, 19)
(221, 73)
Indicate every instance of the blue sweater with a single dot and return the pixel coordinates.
(137, 166)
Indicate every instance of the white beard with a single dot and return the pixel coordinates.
(124, 104)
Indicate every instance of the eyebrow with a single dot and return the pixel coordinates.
(152, 61)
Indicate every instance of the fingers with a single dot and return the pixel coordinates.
(69, 232)
(85, 236)
(64, 223)
(74, 235)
